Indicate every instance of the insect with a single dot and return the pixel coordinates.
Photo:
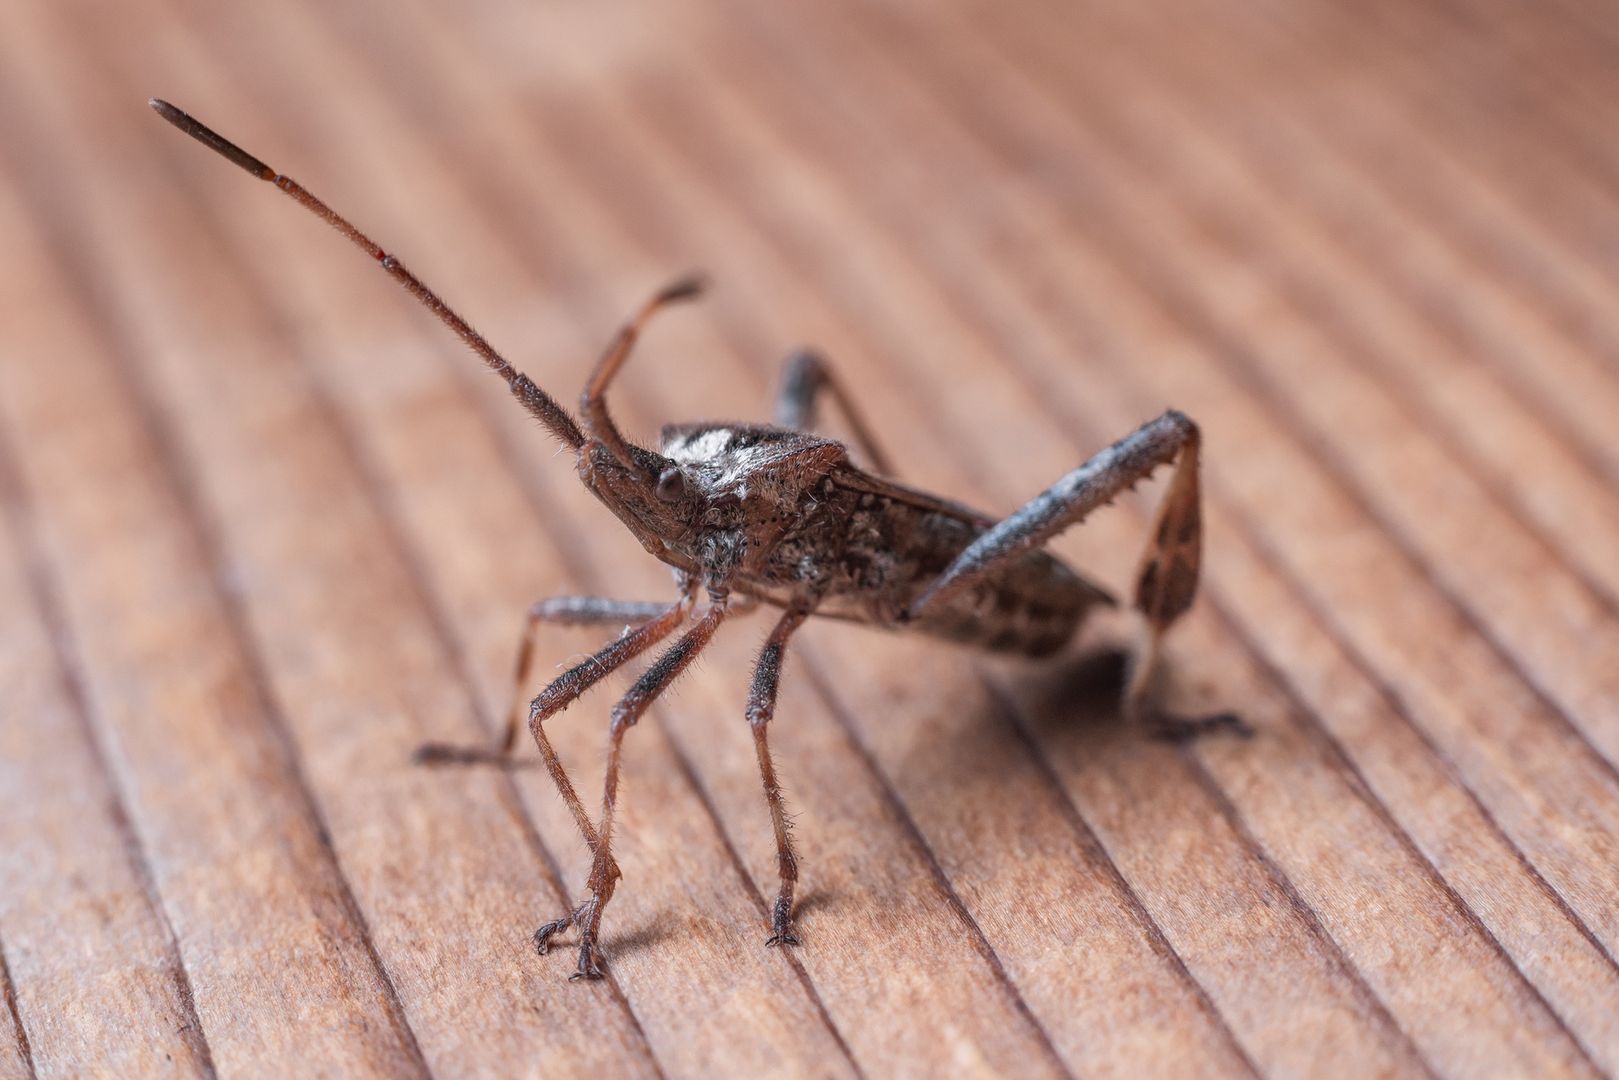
(752, 514)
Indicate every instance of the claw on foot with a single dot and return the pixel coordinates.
(1184, 729)
(589, 963)
(543, 936)
(781, 922)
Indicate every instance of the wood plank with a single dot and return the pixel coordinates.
(912, 190)
(85, 942)
(356, 698)
(984, 1037)
(733, 124)
(265, 529)
(16, 1059)
(164, 668)
(410, 418)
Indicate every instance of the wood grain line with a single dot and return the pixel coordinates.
(1556, 138)
(1385, 811)
(1436, 192)
(1322, 619)
(1347, 968)
(1318, 730)
(178, 473)
(1256, 537)
(92, 291)
(1157, 281)
(1241, 228)
(19, 521)
(19, 1034)
(1580, 925)
(941, 880)
(969, 465)
(1447, 313)
(897, 804)
(1016, 721)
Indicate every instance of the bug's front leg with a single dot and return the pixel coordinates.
(604, 871)
(1167, 580)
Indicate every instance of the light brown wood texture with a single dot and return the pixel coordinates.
(264, 528)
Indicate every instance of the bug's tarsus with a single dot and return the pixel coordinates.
(543, 936)
(1184, 729)
(689, 287)
(435, 754)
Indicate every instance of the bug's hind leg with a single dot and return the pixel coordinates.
(761, 707)
(1166, 584)
(556, 611)
(1167, 580)
(804, 378)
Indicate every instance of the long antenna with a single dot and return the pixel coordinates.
(524, 389)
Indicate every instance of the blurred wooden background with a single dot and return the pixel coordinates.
(266, 528)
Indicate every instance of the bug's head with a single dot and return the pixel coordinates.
(644, 490)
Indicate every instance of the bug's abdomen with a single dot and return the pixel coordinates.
(892, 552)
(1033, 609)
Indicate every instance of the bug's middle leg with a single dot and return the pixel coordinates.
(804, 378)
(761, 708)
(555, 611)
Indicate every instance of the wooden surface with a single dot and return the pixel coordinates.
(265, 529)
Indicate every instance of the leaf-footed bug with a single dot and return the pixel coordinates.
(753, 513)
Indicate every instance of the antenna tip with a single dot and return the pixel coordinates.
(686, 288)
(210, 138)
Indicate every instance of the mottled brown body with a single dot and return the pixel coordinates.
(778, 515)
(825, 536)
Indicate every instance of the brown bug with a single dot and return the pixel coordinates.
(755, 513)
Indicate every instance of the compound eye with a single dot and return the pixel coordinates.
(672, 485)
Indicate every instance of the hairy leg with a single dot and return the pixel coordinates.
(565, 689)
(1167, 579)
(604, 872)
(556, 611)
(804, 377)
(761, 708)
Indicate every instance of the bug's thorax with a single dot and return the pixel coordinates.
(718, 498)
